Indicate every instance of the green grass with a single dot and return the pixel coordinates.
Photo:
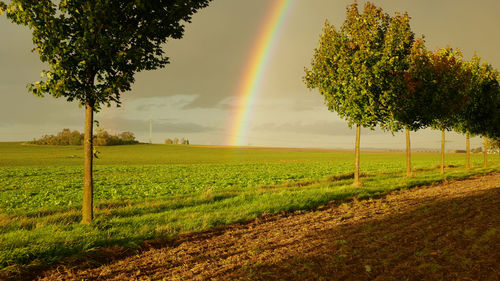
(157, 191)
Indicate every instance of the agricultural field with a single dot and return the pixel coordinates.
(145, 192)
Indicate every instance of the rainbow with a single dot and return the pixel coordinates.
(255, 70)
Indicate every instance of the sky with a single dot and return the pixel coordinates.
(192, 97)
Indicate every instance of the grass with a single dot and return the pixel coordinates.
(158, 191)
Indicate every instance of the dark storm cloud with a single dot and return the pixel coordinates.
(331, 128)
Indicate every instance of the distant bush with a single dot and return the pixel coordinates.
(177, 141)
(477, 150)
(101, 138)
(494, 145)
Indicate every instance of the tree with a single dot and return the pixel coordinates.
(359, 67)
(450, 79)
(412, 108)
(94, 49)
(169, 141)
(127, 137)
(122, 139)
(102, 138)
(479, 112)
(176, 141)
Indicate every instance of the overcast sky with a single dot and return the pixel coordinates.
(191, 97)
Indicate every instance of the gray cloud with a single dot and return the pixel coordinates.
(331, 128)
(159, 126)
(149, 106)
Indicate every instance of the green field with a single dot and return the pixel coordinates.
(157, 191)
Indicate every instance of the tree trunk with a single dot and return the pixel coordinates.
(442, 151)
(87, 205)
(408, 154)
(356, 160)
(467, 151)
(485, 153)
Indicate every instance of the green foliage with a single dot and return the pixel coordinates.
(494, 144)
(359, 68)
(413, 107)
(94, 48)
(65, 137)
(479, 114)
(445, 92)
(450, 81)
(177, 141)
(102, 138)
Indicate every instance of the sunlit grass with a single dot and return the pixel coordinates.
(161, 197)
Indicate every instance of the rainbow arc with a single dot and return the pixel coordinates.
(255, 71)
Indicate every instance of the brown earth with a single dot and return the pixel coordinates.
(448, 231)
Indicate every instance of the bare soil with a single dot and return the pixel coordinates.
(447, 231)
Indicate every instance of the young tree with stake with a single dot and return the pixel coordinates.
(94, 49)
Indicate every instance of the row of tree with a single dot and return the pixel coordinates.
(177, 141)
(101, 138)
(373, 72)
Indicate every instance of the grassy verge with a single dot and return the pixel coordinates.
(48, 234)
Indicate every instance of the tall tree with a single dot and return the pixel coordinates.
(94, 49)
(359, 67)
(480, 111)
(450, 78)
(412, 107)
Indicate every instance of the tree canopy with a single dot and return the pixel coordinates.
(94, 48)
(359, 68)
(479, 113)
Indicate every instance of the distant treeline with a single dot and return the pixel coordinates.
(101, 138)
(177, 141)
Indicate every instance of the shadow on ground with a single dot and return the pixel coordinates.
(449, 231)
(455, 239)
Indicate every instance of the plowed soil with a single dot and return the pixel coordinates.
(447, 231)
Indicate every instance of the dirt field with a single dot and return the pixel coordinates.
(449, 231)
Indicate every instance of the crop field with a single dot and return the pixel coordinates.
(159, 191)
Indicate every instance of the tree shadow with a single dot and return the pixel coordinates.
(454, 239)
(441, 239)
(425, 238)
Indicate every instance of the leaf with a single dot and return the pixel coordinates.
(368, 268)
(95, 153)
